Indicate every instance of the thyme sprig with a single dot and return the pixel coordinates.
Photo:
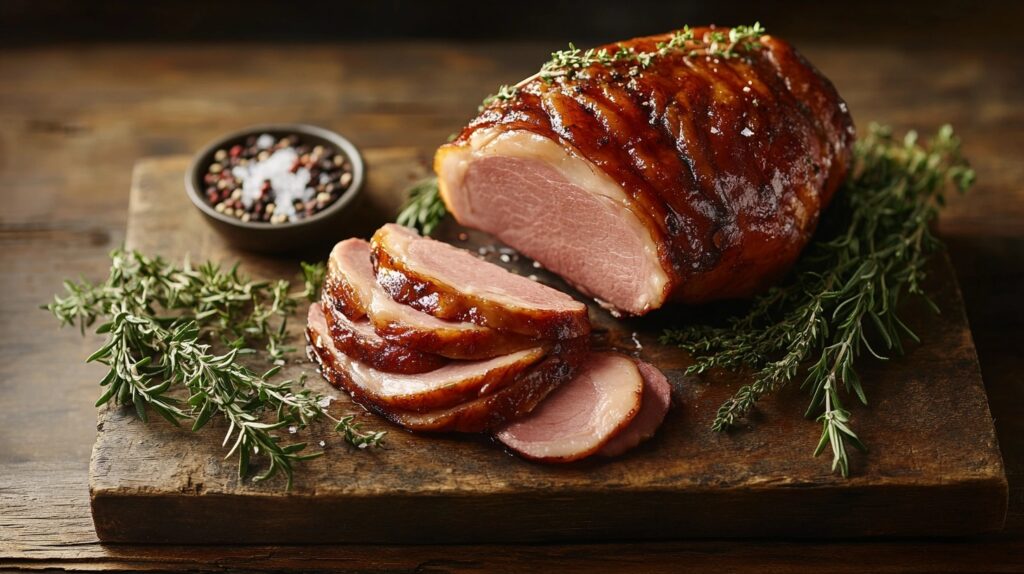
(572, 61)
(162, 324)
(844, 295)
(424, 208)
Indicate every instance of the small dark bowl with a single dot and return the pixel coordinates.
(304, 235)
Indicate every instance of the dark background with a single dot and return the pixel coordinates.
(894, 22)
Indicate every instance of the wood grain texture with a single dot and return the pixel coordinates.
(937, 473)
(73, 121)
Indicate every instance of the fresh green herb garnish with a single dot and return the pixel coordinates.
(424, 209)
(844, 294)
(571, 61)
(162, 323)
(313, 275)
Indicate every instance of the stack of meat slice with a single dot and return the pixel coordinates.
(435, 339)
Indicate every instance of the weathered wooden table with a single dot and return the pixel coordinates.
(73, 120)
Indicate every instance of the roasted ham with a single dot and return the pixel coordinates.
(354, 291)
(447, 401)
(454, 383)
(657, 397)
(358, 339)
(693, 179)
(451, 283)
(583, 415)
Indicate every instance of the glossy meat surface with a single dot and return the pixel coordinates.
(727, 163)
(471, 413)
(449, 385)
(353, 289)
(358, 339)
(451, 283)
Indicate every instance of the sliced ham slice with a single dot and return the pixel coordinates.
(358, 339)
(479, 414)
(450, 385)
(353, 289)
(583, 415)
(453, 284)
(653, 406)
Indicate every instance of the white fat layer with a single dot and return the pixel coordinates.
(456, 160)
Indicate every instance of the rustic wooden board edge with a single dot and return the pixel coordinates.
(969, 507)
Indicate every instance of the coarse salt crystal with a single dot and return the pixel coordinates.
(747, 132)
(715, 130)
(636, 342)
(265, 141)
(288, 187)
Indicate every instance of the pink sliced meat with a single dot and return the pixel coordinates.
(450, 385)
(451, 283)
(482, 413)
(654, 406)
(583, 415)
(358, 339)
(352, 287)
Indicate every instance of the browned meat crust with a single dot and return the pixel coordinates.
(728, 162)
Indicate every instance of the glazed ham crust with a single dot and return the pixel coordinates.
(465, 410)
(706, 175)
(359, 340)
(351, 287)
(452, 284)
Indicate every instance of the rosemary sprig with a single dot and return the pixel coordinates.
(313, 275)
(572, 61)
(162, 323)
(424, 208)
(843, 297)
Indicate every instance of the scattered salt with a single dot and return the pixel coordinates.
(636, 342)
(324, 402)
(747, 132)
(715, 130)
(746, 89)
(322, 444)
(505, 257)
(293, 429)
(536, 265)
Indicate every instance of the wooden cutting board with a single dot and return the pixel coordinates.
(934, 467)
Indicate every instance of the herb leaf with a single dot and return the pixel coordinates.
(424, 209)
(843, 297)
(162, 323)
